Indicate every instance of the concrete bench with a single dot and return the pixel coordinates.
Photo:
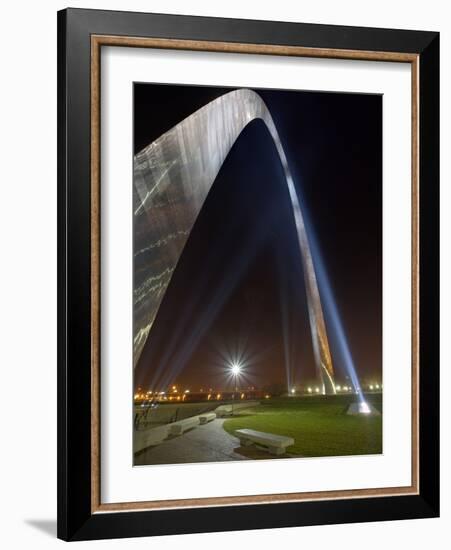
(226, 409)
(223, 410)
(207, 417)
(149, 437)
(177, 428)
(275, 444)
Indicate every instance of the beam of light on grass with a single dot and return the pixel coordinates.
(287, 330)
(334, 322)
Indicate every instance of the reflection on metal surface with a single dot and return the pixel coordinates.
(172, 177)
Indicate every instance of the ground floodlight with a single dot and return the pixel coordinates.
(236, 369)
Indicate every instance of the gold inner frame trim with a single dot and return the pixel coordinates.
(97, 41)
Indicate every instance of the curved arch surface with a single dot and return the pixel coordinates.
(172, 178)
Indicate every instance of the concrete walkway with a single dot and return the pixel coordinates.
(205, 443)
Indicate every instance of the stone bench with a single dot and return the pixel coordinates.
(223, 410)
(207, 417)
(275, 444)
(149, 437)
(177, 428)
(226, 409)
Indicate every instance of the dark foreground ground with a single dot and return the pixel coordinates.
(319, 426)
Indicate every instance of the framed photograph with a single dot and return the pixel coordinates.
(248, 274)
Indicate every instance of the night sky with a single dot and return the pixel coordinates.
(238, 288)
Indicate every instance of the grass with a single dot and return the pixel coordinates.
(318, 424)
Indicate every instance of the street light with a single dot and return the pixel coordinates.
(235, 369)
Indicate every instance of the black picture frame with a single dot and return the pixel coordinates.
(76, 520)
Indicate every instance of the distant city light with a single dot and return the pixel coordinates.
(338, 388)
(309, 390)
(267, 396)
(345, 388)
(317, 390)
(293, 390)
(371, 387)
(186, 391)
(377, 386)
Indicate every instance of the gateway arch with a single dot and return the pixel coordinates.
(172, 177)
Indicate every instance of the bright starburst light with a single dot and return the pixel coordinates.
(236, 369)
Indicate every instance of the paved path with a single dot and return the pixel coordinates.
(205, 443)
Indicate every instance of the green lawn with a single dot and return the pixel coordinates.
(318, 424)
